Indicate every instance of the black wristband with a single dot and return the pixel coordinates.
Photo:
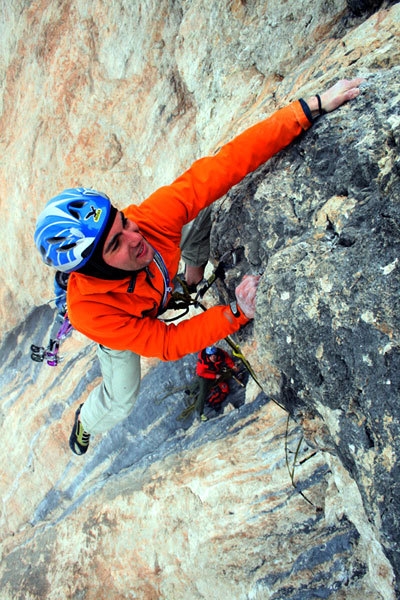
(320, 109)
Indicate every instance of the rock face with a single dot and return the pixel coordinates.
(252, 504)
(328, 316)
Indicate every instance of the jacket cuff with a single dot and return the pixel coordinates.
(306, 110)
(239, 320)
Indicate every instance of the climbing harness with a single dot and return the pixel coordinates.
(183, 300)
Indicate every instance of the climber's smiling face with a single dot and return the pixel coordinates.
(125, 247)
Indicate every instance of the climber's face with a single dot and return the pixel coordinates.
(125, 247)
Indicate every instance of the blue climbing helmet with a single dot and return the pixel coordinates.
(70, 227)
(211, 350)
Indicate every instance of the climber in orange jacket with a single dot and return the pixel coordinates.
(122, 263)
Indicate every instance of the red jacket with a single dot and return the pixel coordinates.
(107, 313)
(208, 369)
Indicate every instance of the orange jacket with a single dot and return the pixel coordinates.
(107, 313)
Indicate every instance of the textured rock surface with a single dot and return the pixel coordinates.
(328, 322)
(123, 96)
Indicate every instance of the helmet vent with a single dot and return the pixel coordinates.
(74, 208)
(66, 247)
(55, 240)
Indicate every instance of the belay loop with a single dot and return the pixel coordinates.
(181, 301)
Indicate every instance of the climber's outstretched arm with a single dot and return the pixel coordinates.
(337, 95)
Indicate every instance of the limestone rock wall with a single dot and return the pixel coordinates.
(122, 96)
(327, 325)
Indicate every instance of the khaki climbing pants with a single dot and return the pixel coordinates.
(112, 401)
(195, 239)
